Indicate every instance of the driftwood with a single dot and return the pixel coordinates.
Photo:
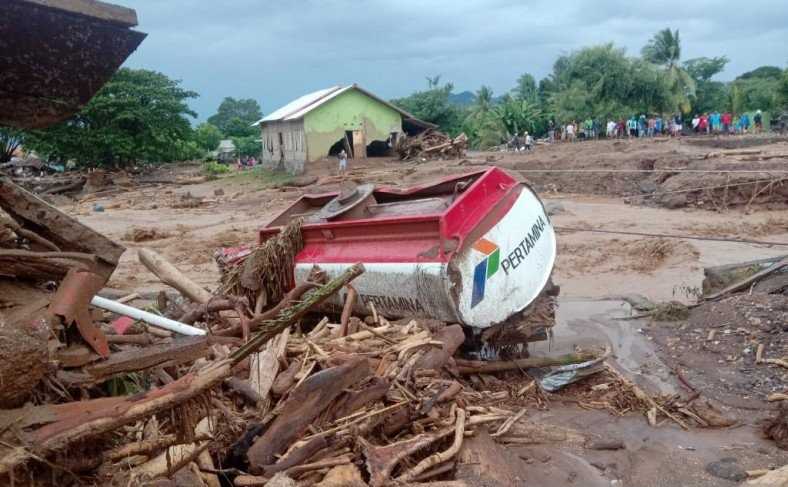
(43, 265)
(440, 457)
(213, 306)
(749, 280)
(381, 460)
(73, 422)
(172, 277)
(374, 390)
(452, 337)
(298, 456)
(431, 144)
(303, 405)
(285, 380)
(467, 367)
(249, 325)
(58, 228)
(177, 352)
(350, 301)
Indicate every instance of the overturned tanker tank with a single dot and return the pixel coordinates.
(476, 249)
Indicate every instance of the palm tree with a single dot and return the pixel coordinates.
(484, 99)
(664, 49)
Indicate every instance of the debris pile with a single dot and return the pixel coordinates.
(432, 144)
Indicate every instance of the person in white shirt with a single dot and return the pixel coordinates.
(611, 129)
(529, 142)
(570, 132)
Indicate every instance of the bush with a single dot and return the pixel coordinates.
(214, 168)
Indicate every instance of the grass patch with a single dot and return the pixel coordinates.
(265, 178)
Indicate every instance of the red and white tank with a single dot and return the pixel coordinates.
(473, 249)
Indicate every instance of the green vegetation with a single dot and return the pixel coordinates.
(601, 82)
(138, 116)
(265, 178)
(214, 169)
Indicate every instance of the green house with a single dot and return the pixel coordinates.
(323, 123)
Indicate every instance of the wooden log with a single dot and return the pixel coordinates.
(171, 276)
(350, 301)
(57, 227)
(452, 337)
(43, 265)
(285, 380)
(468, 367)
(302, 407)
(179, 351)
(297, 456)
(352, 401)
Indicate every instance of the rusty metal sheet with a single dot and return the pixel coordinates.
(71, 301)
(55, 60)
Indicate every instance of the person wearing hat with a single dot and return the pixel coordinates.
(529, 142)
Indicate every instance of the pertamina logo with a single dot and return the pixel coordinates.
(485, 269)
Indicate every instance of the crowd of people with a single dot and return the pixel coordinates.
(656, 125)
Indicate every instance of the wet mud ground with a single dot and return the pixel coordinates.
(595, 271)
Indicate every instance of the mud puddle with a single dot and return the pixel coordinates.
(587, 323)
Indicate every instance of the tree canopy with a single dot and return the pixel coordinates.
(234, 118)
(139, 115)
(433, 106)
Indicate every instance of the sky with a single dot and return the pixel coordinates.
(276, 50)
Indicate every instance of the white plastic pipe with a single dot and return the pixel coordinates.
(150, 318)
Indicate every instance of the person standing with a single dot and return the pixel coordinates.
(342, 156)
(758, 119)
(727, 119)
(632, 127)
(529, 142)
(678, 124)
(745, 123)
(703, 124)
(570, 131)
(551, 131)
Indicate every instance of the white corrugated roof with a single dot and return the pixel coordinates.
(299, 107)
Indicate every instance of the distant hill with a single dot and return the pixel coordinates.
(464, 99)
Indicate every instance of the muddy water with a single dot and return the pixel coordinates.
(587, 323)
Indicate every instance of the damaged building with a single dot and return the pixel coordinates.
(322, 123)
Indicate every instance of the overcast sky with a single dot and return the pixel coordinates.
(276, 50)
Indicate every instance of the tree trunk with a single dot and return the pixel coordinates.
(24, 360)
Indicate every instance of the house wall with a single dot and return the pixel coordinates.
(290, 154)
(351, 110)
